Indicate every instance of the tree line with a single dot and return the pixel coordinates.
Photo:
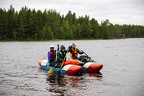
(29, 24)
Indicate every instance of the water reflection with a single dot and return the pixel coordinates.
(71, 84)
(56, 84)
(98, 75)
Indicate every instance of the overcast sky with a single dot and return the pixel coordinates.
(116, 11)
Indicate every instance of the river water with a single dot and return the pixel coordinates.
(122, 74)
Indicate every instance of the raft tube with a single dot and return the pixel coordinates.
(92, 67)
(67, 69)
(88, 67)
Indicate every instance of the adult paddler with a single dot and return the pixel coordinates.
(74, 51)
(52, 55)
(60, 56)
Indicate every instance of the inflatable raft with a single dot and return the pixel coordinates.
(88, 66)
(72, 66)
(67, 69)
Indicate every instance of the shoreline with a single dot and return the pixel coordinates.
(57, 40)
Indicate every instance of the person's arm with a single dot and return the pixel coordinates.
(66, 51)
(58, 47)
(49, 56)
(80, 52)
(69, 49)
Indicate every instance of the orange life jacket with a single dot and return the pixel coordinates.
(74, 52)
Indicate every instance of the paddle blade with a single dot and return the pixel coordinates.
(50, 71)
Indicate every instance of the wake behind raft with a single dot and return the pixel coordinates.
(71, 66)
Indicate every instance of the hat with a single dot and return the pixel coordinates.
(62, 47)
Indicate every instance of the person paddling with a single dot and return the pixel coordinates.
(52, 55)
(74, 51)
(60, 56)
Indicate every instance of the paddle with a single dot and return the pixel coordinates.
(50, 71)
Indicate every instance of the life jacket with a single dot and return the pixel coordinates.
(74, 52)
(60, 55)
(53, 55)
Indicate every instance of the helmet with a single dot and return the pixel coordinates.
(52, 46)
(62, 47)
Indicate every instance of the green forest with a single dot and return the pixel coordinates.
(31, 24)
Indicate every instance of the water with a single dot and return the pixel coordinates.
(122, 74)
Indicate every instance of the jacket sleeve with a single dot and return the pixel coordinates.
(69, 49)
(66, 51)
(49, 56)
(80, 52)
(57, 49)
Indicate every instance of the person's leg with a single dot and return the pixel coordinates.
(51, 63)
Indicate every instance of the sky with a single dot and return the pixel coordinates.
(116, 11)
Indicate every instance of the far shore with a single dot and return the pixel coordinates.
(57, 39)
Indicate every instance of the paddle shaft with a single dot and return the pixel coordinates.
(82, 51)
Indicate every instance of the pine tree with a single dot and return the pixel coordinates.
(49, 34)
(3, 24)
(67, 30)
(86, 28)
(31, 24)
(78, 31)
(31, 28)
(23, 23)
(105, 29)
(95, 27)
(11, 22)
(14, 33)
